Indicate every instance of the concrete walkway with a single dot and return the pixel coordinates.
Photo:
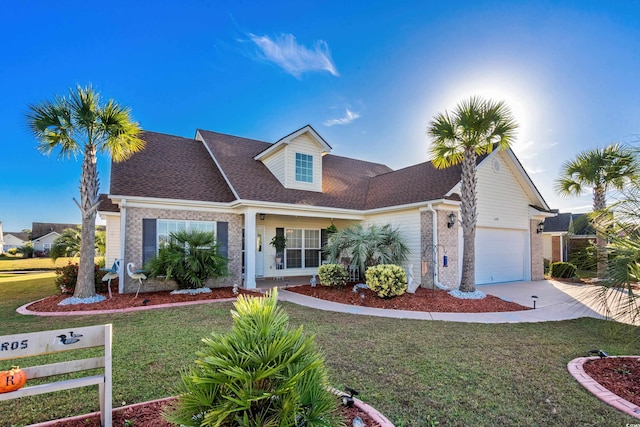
(555, 301)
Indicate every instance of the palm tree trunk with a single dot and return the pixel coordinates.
(468, 218)
(85, 287)
(599, 205)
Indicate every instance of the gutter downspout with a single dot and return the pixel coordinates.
(123, 235)
(434, 224)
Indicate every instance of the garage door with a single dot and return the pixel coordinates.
(499, 255)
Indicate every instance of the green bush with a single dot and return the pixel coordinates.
(262, 373)
(387, 280)
(190, 258)
(334, 275)
(562, 270)
(26, 250)
(67, 277)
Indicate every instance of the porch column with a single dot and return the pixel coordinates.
(250, 249)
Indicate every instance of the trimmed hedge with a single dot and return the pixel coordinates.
(387, 280)
(562, 270)
(333, 275)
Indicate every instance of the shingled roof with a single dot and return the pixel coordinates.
(39, 229)
(172, 167)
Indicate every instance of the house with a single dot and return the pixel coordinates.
(43, 234)
(248, 191)
(566, 234)
(15, 239)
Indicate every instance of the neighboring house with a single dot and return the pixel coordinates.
(566, 234)
(43, 234)
(15, 239)
(247, 191)
(1, 239)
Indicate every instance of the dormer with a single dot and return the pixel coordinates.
(296, 159)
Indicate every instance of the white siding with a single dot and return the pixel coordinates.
(275, 163)
(502, 201)
(408, 222)
(112, 250)
(304, 144)
(546, 246)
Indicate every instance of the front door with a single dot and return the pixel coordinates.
(259, 251)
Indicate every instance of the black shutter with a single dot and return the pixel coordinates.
(222, 238)
(148, 240)
(279, 233)
(324, 238)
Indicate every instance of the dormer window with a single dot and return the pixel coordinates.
(304, 168)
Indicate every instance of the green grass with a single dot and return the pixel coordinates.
(9, 263)
(418, 373)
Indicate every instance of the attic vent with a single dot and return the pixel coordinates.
(496, 165)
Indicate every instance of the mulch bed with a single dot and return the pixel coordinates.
(150, 415)
(619, 375)
(120, 301)
(422, 300)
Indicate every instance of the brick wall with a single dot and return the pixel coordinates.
(133, 244)
(537, 262)
(447, 245)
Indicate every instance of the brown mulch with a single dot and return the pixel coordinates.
(619, 375)
(120, 301)
(150, 415)
(422, 300)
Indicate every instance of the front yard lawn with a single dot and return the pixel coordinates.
(418, 373)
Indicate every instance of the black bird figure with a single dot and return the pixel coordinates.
(145, 302)
(66, 341)
(600, 353)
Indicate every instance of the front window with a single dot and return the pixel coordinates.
(166, 227)
(303, 248)
(304, 167)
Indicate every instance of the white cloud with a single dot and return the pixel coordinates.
(294, 58)
(348, 118)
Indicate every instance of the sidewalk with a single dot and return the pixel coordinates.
(555, 301)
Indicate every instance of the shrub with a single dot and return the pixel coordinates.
(67, 277)
(26, 250)
(387, 280)
(190, 257)
(334, 275)
(262, 373)
(562, 270)
(12, 251)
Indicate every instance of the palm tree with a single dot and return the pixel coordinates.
(601, 170)
(367, 247)
(474, 128)
(68, 243)
(81, 124)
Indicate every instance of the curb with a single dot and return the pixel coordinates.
(576, 369)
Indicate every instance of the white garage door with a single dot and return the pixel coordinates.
(499, 255)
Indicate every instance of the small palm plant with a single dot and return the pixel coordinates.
(366, 247)
(262, 373)
(190, 258)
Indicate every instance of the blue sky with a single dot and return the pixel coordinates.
(368, 76)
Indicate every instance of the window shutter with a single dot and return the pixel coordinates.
(324, 238)
(222, 238)
(148, 240)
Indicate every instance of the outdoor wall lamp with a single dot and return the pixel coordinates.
(262, 216)
(452, 220)
(540, 228)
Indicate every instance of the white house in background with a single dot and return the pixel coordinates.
(43, 234)
(247, 191)
(14, 239)
(1, 239)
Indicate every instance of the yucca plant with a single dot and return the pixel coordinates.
(262, 373)
(190, 258)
